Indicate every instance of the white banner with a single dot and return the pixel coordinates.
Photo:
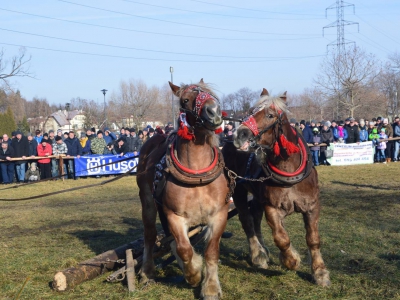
(352, 154)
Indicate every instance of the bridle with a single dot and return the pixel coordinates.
(200, 100)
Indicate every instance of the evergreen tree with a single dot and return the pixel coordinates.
(8, 122)
(24, 126)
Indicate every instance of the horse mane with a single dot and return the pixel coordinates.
(205, 87)
(268, 101)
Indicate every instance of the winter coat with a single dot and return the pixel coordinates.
(32, 175)
(38, 139)
(336, 134)
(32, 147)
(85, 143)
(396, 130)
(123, 149)
(140, 144)
(9, 152)
(307, 135)
(44, 151)
(388, 129)
(21, 147)
(97, 145)
(74, 147)
(381, 144)
(60, 148)
(133, 143)
(316, 139)
(363, 134)
(326, 137)
(353, 136)
(110, 137)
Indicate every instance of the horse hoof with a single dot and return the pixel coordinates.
(291, 262)
(260, 261)
(321, 278)
(211, 298)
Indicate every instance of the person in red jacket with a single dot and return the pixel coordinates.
(44, 149)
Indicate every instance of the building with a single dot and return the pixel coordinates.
(66, 121)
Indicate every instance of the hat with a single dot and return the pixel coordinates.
(45, 134)
(57, 138)
(292, 120)
(385, 121)
(371, 123)
(121, 139)
(308, 123)
(59, 130)
(29, 134)
(347, 119)
(328, 124)
(315, 129)
(17, 132)
(106, 129)
(13, 133)
(374, 130)
(303, 122)
(132, 130)
(313, 121)
(110, 144)
(37, 131)
(351, 119)
(98, 132)
(169, 123)
(148, 126)
(93, 129)
(127, 129)
(151, 129)
(66, 132)
(379, 118)
(341, 123)
(145, 129)
(83, 134)
(51, 131)
(383, 129)
(140, 132)
(230, 123)
(44, 141)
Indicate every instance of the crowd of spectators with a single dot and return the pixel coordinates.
(26, 147)
(377, 130)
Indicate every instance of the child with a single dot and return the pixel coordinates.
(315, 149)
(33, 173)
(382, 146)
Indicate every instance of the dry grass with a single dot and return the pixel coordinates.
(359, 226)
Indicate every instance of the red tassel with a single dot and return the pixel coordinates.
(224, 114)
(289, 146)
(184, 133)
(277, 149)
(218, 130)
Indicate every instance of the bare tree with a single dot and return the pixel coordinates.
(348, 78)
(17, 66)
(241, 100)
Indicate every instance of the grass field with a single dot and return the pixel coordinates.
(359, 227)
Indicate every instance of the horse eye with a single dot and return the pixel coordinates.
(185, 100)
(270, 116)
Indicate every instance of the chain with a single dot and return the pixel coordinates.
(233, 176)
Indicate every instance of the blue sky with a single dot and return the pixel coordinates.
(81, 47)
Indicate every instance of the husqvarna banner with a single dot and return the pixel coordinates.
(108, 164)
(352, 154)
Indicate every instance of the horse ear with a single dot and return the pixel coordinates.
(264, 92)
(174, 88)
(283, 97)
(201, 81)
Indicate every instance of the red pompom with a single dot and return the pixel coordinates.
(224, 114)
(184, 133)
(218, 130)
(277, 149)
(288, 146)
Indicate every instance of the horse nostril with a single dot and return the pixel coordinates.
(210, 112)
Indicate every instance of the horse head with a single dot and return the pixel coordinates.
(200, 106)
(262, 126)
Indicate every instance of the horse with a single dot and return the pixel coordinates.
(290, 181)
(191, 187)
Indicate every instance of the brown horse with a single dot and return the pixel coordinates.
(192, 191)
(292, 184)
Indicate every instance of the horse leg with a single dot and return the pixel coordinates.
(257, 212)
(211, 288)
(149, 216)
(258, 256)
(288, 256)
(190, 262)
(318, 269)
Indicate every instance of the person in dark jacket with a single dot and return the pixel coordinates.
(75, 150)
(7, 166)
(109, 136)
(121, 146)
(326, 138)
(32, 145)
(316, 140)
(306, 131)
(353, 136)
(21, 150)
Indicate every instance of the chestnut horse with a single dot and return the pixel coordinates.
(194, 190)
(292, 184)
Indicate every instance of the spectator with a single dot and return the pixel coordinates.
(85, 143)
(98, 145)
(74, 150)
(389, 132)
(353, 136)
(122, 132)
(292, 122)
(340, 134)
(378, 121)
(169, 128)
(396, 133)
(44, 149)
(60, 134)
(140, 140)
(66, 135)
(229, 130)
(32, 145)
(6, 139)
(151, 132)
(59, 148)
(327, 138)
(316, 140)
(33, 173)
(21, 150)
(145, 134)
(127, 133)
(382, 146)
(134, 142)
(313, 124)
(346, 123)
(370, 127)
(374, 137)
(110, 149)
(52, 141)
(121, 147)
(306, 132)
(109, 136)
(363, 131)
(7, 166)
(89, 134)
(38, 136)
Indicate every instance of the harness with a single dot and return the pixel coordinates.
(281, 143)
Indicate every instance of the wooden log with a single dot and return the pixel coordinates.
(130, 270)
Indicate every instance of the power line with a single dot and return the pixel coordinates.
(250, 9)
(160, 59)
(133, 48)
(155, 33)
(217, 14)
(178, 23)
